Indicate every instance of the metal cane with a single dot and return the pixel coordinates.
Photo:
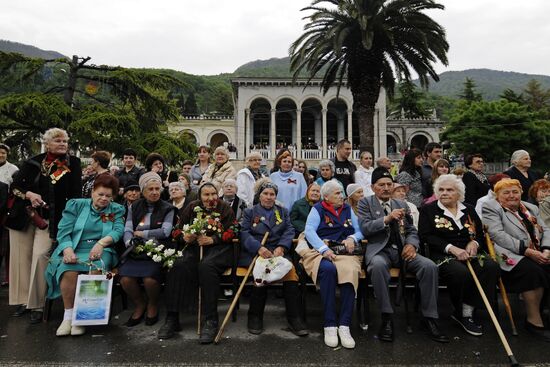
(238, 294)
(511, 357)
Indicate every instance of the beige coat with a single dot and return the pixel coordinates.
(218, 177)
(348, 267)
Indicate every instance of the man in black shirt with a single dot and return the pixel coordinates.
(130, 172)
(345, 170)
(432, 152)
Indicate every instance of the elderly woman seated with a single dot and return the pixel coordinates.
(237, 204)
(148, 218)
(522, 242)
(454, 234)
(217, 257)
(267, 216)
(332, 227)
(86, 233)
(301, 208)
(327, 170)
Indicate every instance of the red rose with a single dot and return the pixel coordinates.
(228, 235)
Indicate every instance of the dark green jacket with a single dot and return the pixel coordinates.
(298, 214)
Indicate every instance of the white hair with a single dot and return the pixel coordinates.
(517, 155)
(176, 183)
(329, 187)
(222, 149)
(229, 182)
(453, 180)
(53, 133)
(253, 155)
(327, 163)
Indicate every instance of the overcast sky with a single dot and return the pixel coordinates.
(217, 36)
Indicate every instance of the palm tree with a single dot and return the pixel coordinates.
(369, 42)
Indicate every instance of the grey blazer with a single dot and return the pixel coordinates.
(508, 234)
(371, 220)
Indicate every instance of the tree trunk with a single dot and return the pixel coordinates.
(71, 85)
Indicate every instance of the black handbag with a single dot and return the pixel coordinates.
(131, 254)
(16, 216)
(340, 249)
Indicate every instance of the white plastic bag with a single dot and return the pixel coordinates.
(92, 302)
(270, 270)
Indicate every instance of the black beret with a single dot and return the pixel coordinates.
(378, 173)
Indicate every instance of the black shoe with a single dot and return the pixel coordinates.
(133, 322)
(170, 327)
(208, 332)
(297, 326)
(36, 317)
(151, 320)
(433, 331)
(255, 325)
(469, 325)
(386, 331)
(20, 311)
(538, 331)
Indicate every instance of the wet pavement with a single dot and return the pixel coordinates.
(22, 344)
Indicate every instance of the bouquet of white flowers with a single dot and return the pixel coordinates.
(158, 252)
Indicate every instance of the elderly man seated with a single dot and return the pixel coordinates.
(392, 239)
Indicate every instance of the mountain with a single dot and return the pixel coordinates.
(29, 51)
(490, 83)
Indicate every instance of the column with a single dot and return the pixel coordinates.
(247, 136)
(350, 133)
(272, 136)
(340, 127)
(324, 122)
(299, 133)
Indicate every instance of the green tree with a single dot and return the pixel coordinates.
(370, 43)
(409, 101)
(536, 97)
(191, 104)
(469, 93)
(102, 107)
(496, 129)
(511, 96)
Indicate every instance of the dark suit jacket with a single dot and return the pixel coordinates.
(439, 236)
(474, 188)
(371, 220)
(525, 182)
(251, 235)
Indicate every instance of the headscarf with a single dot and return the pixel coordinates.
(147, 178)
(263, 186)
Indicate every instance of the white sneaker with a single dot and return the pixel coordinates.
(77, 330)
(345, 337)
(331, 336)
(64, 329)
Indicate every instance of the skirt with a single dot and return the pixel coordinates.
(140, 269)
(525, 276)
(56, 266)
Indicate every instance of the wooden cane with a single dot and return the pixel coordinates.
(503, 293)
(511, 357)
(199, 303)
(238, 294)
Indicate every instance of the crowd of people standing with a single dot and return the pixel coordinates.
(57, 221)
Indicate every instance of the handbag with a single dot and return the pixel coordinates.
(16, 216)
(131, 254)
(92, 302)
(340, 249)
(270, 270)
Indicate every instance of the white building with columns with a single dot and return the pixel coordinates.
(271, 113)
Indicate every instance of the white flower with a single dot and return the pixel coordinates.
(186, 228)
(209, 226)
(169, 252)
(149, 254)
(170, 263)
(160, 247)
(262, 219)
(150, 242)
(157, 258)
(179, 253)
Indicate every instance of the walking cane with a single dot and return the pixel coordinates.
(503, 293)
(511, 357)
(199, 303)
(238, 294)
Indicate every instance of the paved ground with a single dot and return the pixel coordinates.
(25, 344)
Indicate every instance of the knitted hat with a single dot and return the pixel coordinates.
(378, 173)
(148, 177)
(352, 189)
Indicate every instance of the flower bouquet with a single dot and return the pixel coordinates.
(207, 224)
(157, 252)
